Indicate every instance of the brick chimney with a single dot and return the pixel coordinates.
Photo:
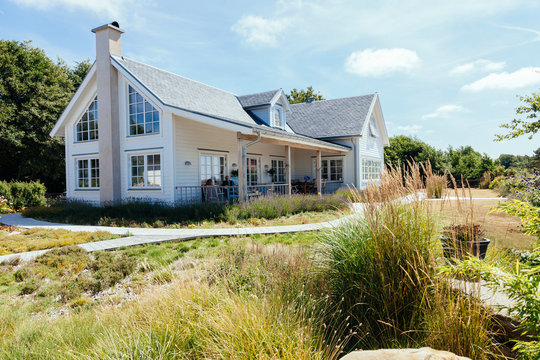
(108, 42)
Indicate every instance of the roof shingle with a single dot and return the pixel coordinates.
(262, 98)
(330, 118)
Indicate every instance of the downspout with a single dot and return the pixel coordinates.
(244, 163)
(356, 165)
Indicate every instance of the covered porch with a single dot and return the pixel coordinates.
(268, 163)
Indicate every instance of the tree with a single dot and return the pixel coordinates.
(79, 71)
(33, 93)
(302, 96)
(519, 127)
(404, 148)
(467, 163)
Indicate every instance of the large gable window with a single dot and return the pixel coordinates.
(87, 126)
(143, 117)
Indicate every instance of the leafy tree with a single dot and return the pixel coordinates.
(33, 93)
(530, 126)
(404, 148)
(301, 96)
(535, 159)
(79, 71)
(467, 163)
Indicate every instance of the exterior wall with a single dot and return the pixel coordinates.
(263, 114)
(193, 138)
(370, 148)
(80, 150)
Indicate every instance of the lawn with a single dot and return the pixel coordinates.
(15, 240)
(503, 230)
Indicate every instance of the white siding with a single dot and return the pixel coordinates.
(370, 147)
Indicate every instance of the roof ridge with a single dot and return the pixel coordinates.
(170, 72)
(343, 98)
(261, 92)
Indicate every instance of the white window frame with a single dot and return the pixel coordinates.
(248, 172)
(279, 111)
(277, 175)
(327, 175)
(374, 167)
(90, 168)
(145, 100)
(85, 114)
(213, 154)
(145, 170)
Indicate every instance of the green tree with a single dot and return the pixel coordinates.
(518, 127)
(467, 163)
(404, 148)
(33, 93)
(301, 96)
(79, 71)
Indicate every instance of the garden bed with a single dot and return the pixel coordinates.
(278, 210)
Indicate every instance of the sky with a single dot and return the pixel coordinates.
(447, 72)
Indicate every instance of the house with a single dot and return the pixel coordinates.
(133, 131)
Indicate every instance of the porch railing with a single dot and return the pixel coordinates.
(225, 193)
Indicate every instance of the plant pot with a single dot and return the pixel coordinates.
(456, 249)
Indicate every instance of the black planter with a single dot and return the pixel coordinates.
(455, 249)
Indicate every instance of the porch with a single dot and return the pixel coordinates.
(266, 163)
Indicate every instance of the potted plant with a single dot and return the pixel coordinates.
(459, 240)
(234, 172)
(271, 172)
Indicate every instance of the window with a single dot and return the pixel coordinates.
(252, 171)
(279, 171)
(371, 169)
(143, 117)
(331, 169)
(87, 126)
(88, 173)
(145, 170)
(276, 120)
(213, 169)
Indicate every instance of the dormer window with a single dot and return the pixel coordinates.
(87, 126)
(143, 117)
(277, 118)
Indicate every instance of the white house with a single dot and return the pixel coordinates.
(133, 131)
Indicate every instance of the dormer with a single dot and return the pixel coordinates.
(269, 108)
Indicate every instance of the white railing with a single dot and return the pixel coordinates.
(219, 193)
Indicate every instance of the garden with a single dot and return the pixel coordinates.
(377, 281)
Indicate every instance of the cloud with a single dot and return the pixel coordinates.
(445, 111)
(112, 8)
(258, 31)
(409, 129)
(478, 65)
(381, 62)
(523, 77)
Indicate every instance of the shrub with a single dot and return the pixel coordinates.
(23, 194)
(485, 180)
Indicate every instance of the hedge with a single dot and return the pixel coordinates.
(23, 194)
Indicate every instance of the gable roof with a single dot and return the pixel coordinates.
(331, 118)
(258, 99)
(186, 94)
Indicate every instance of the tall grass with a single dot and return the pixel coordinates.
(382, 270)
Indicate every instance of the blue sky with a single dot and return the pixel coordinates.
(448, 72)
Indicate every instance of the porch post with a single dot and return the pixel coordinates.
(289, 171)
(319, 177)
(241, 170)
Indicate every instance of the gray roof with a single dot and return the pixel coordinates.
(257, 99)
(330, 118)
(186, 94)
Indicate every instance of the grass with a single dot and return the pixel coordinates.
(15, 240)
(502, 229)
(208, 214)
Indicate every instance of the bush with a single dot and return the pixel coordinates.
(23, 194)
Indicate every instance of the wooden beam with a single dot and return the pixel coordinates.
(319, 174)
(241, 170)
(289, 171)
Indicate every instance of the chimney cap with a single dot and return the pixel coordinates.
(114, 25)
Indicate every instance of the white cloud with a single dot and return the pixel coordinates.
(478, 65)
(445, 111)
(409, 129)
(523, 77)
(259, 31)
(112, 8)
(381, 62)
